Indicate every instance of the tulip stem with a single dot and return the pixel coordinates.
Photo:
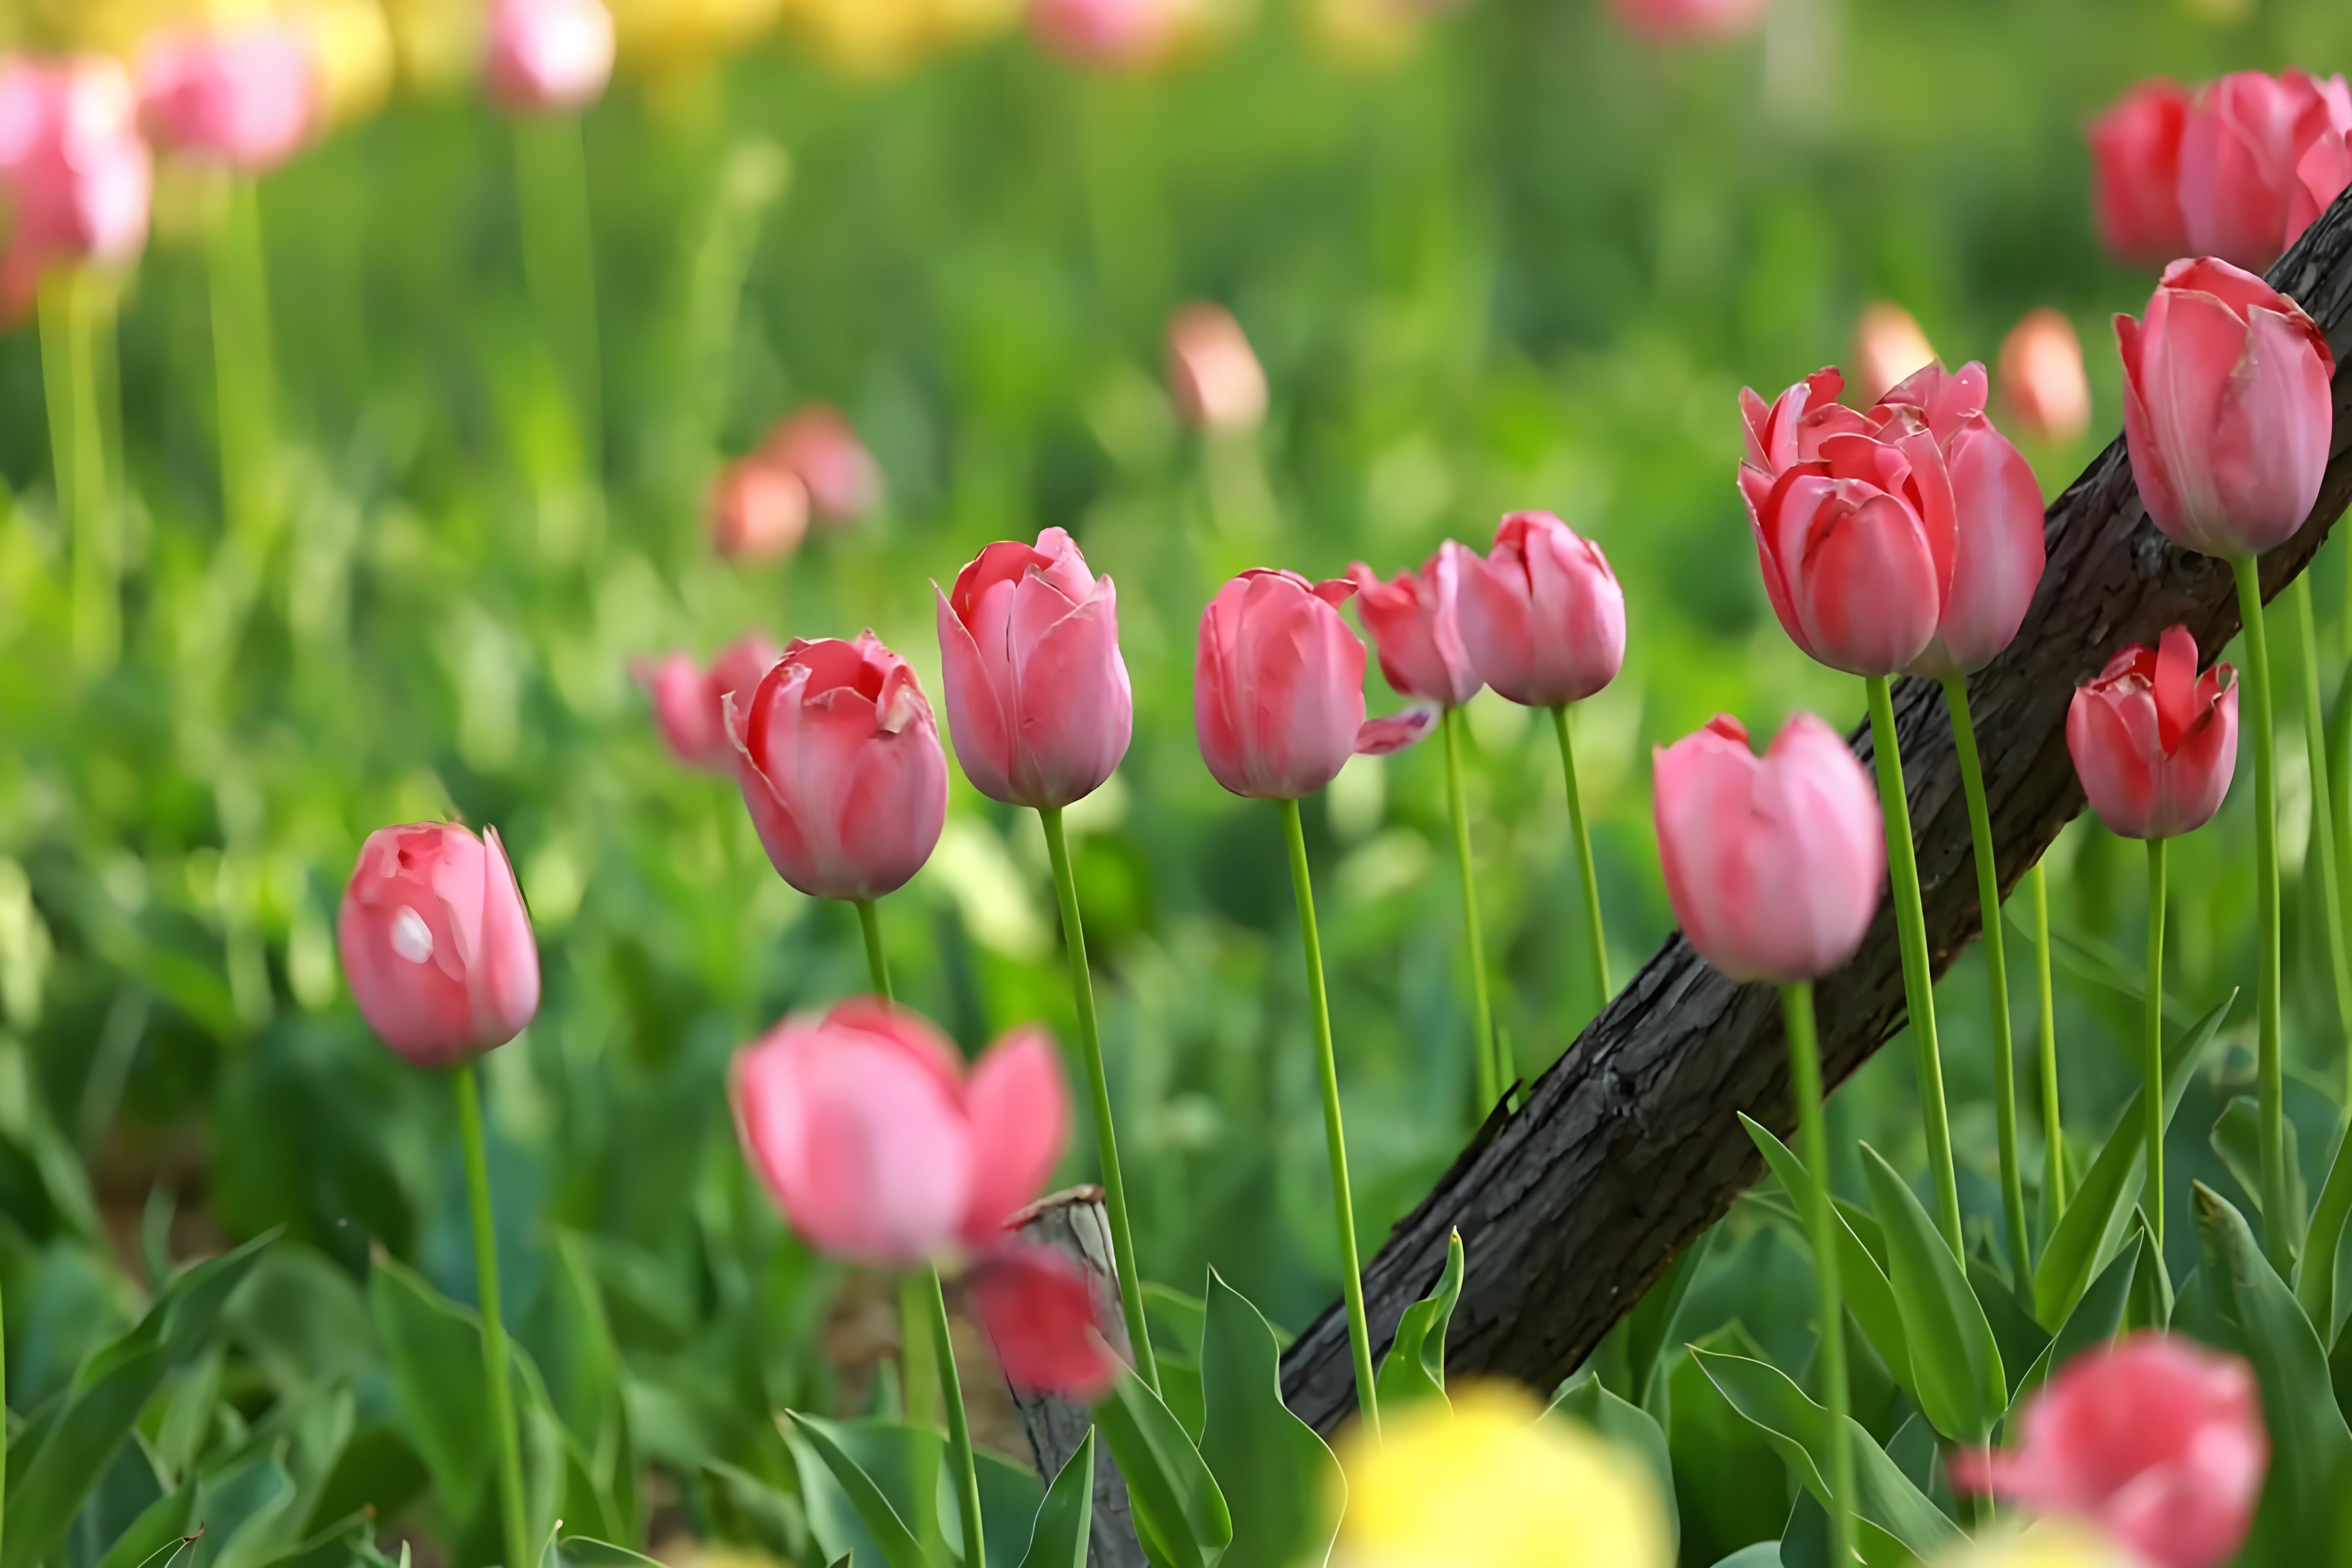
(1351, 1278)
(1590, 873)
(69, 309)
(2271, 1070)
(2323, 803)
(1996, 954)
(959, 1425)
(1494, 1075)
(1919, 979)
(1122, 1238)
(1814, 1148)
(494, 1331)
(878, 966)
(919, 1372)
(2152, 1041)
(2053, 1149)
(558, 262)
(242, 373)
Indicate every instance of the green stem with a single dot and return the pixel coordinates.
(1996, 954)
(69, 308)
(558, 260)
(1919, 979)
(2152, 1039)
(1491, 1076)
(1590, 873)
(2323, 806)
(1814, 1148)
(1351, 1278)
(243, 375)
(919, 1372)
(2339, 811)
(959, 1426)
(2271, 1063)
(876, 964)
(2053, 1152)
(1122, 1238)
(511, 1507)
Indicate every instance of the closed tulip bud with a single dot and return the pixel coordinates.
(2136, 152)
(1888, 345)
(437, 943)
(1279, 688)
(880, 1149)
(78, 179)
(2242, 156)
(690, 702)
(1773, 866)
(1543, 616)
(841, 767)
(1106, 34)
(2159, 1441)
(1213, 372)
(1042, 1317)
(2321, 175)
(819, 444)
(1690, 21)
(549, 54)
(2226, 409)
(2042, 378)
(2156, 746)
(758, 512)
(1416, 623)
(246, 98)
(1037, 693)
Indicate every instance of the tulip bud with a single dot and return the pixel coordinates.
(690, 703)
(816, 443)
(437, 943)
(1213, 373)
(2135, 149)
(2160, 1441)
(878, 1147)
(1037, 693)
(1888, 345)
(2041, 377)
(1773, 866)
(2321, 175)
(2226, 409)
(549, 54)
(1543, 617)
(1041, 1317)
(246, 99)
(77, 180)
(758, 512)
(1104, 35)
(2240, 161)
(1690, 21)
(2155, 746)
(841, 767)
(1416, 623)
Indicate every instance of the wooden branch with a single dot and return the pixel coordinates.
(1630, 1146)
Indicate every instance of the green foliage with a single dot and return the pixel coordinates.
(1060, 1538)
(1631, 1429)
(1955, 1362)
(1414, 1367)
(1281, 1486)
(1181, 1516)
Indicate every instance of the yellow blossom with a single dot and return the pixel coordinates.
(2057, 1544)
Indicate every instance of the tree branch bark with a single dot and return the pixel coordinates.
(1631, 1146)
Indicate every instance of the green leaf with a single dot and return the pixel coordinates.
(2237, 1140)
(2151, 1288)
(1956, 1371)
(2092, 1226)
(169, 1519)
(1276, 1475)
(1180, 1517)
(584, 1552)
(433, 1348)
(1631, 1429)
(1066, 1518)
(1414, 1368)
(1730, 1481)
(2096, 1321)
(240, 1508)
(2314, 1279)
(1650, 1326)
(1886, 1501)
(1862, 1278)
(882, 1523)
(1763, 1554)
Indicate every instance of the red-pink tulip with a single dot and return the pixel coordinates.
(1543, 616)
(437, 943)
(2226, 409)
(2159, 1441)
(550, 53)
(1038, 699)
(840, 763)
(1279, 688)
(77, 176)
(690, 702)
(1213, 373)
(2321, 175)
(1773, 866)
(248, 98)
(2155, 746)
(2041, 377)
(878, 1147)
(1416, 626)
(819, 444)
(758, 510)
(1042, 1317)
(1104, 35)
(2242, 156)
(1690, 21)
(2135, 146)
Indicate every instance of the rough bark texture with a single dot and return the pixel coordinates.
(1631, 1145)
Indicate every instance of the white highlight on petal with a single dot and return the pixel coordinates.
(411, 937)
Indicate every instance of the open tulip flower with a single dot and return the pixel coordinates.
(690, 702)
(2259, 156)
(2155, 744)
(2135, 156)
(248, 98)
(436, 944)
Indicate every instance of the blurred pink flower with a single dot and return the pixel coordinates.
(1690, 21)
(2155, 746)
(690, 702)
(1888, 345)
(248, 99)
(1041, 1317)
(77, 178)
(2243, 187)
(2135, 148)
(1213, 373)
(1106, 34)
(758, 510)
(1416, 623)
(436, 942)
(820, 445)
(549, 55)
(2042, 378)
(1543, 616)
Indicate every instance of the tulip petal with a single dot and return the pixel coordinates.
(2270, 446)
(977, 717)
(1867, 588)
(1020, 1118)
(1078, 713)
(1043, 1320)
(1380, 737)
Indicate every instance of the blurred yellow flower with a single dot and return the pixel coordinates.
(670, 37)
(438, 44)
(1494, 1483)
(1368, 35)
(875, 38)
(2056, 1543)
(352, 41)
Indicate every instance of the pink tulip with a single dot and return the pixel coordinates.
(1416, 623)
(2135, 145)
(1106, 34)
(1773, 866)
(76, 177)
(2155, 746)
(1889, 344)
(880, 1149)
(2321, 175)
(1213, 372)
(690, 702)
(1038, 699)
(549, 54)
(758, 512)
(841, 766)
(248, 98)
(2241, 158)
(2042, 378)
(1279, 688)
(2226, 409)
(2159, 1441)
(1042, 1319)
(436, 942)
(1690, 21)
(818, 444)
(1543, 616)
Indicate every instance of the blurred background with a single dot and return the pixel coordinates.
(1512, 254)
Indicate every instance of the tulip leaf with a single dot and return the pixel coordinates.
(2237, 1140)
(2021, 1338)
(1649, 1326)
(1633, 1430)
(1886, 1501)
(1861, 1277)
(889, 1533)
(1729, 1480)
(1414, 1368)
(1956, 1371)
(2092, 1226)
(2315, 1281)
(1763, 1554)
(1181, 1516)
(1275, 1473)
(2096, 1319)
(586, 1551)
(434, 1349)
(1064, 1523)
